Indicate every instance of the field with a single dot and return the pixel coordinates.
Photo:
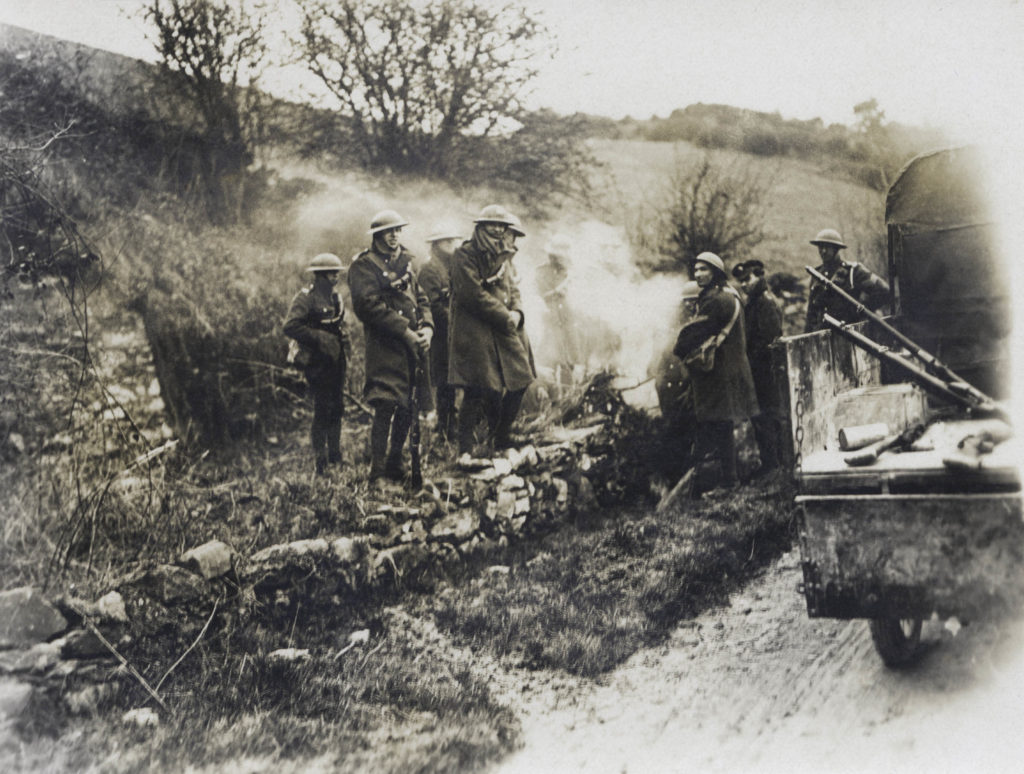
(417, 691)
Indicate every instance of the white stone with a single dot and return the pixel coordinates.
(143, 717)
(511, 482)
(285, 655)
(111, 607)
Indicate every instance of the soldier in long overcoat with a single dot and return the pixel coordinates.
(724, 395)
(489, 352)
(435, 279)
(395, 313)
(857, 280)
(316, 324)
(762, 319)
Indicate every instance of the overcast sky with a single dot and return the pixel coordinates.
(953, 64)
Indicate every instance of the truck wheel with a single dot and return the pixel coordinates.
(896, 639)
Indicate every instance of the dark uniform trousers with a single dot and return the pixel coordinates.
(499, 409)
(326, 388)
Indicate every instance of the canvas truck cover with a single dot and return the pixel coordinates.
(950, 282)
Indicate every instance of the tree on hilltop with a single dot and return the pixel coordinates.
(212, 56)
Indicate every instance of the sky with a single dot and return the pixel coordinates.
(954, 64)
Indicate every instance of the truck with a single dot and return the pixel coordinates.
(926, 522)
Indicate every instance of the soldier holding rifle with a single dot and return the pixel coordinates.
(395, 313)
(867, 287)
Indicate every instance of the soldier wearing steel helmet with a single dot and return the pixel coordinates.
(723, 395)
(860, 282)
(490, 356)
(395, 313)
(316, 325)
(435, 278)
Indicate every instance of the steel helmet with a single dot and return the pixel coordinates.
(495, 213)
(516, 227)
(442, 231)
(828, 236)
(386, 219)
(691, 290)
(711, 260)
(325, 262)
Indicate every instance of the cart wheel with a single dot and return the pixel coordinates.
(896, 639)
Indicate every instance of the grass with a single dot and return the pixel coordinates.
(583, 600)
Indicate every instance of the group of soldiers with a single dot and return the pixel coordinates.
(456, 326)
(725, 362)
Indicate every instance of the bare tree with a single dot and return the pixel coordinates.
(713, 205)
(413, 81)
(212, 56)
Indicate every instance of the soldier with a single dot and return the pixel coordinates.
(860, 282)
(762, 318)
(435, 278)
(396, 317)
(559, 323)
(316, 324)
(713, 348)
(490, 356)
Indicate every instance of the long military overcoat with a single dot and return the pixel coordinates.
(388, 299)
(485, 349)
(435, 279)
(726, 392)
(762, 326)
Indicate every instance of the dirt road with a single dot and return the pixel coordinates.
(758, 686)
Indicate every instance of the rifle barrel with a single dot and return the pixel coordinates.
(929, 382)
(923, 355)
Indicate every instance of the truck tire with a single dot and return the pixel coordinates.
(897, 640)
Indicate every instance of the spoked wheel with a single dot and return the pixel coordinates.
(897, 640)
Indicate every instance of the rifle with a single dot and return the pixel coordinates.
(952, 381)
(869, 455)
(929, 382)
(415, 373)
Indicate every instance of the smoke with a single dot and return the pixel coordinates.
(620, 319)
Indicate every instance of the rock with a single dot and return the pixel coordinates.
(401, 561)
(27, 618)
(349, 551)
(518, 523)
(283, 558)
(499, 570)
(562, 493)
(16, 442)
(85, 701)
(211, 560)
(585, 498)
(459, 526)
(510, 483)
(412, 532)
(143, 717)
(288, 655)
(506, 505)
(39, 658)
(84, 644)
(360, 637)
(110, 607)
(522, 506)
(14, 698)
(168, 584)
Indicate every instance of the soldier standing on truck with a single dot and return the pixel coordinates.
(435, 278)
(316, 325)
(860, 282)
(762, 318)
(395, 313)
